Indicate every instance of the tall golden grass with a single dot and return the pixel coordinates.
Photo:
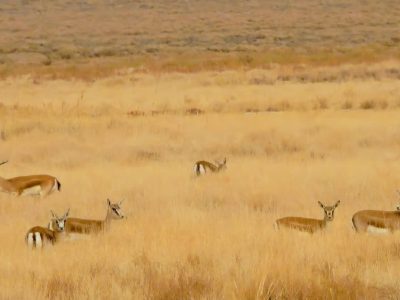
(210, 237)
(119, 98)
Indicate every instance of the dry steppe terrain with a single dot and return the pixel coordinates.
(187, 35)
(118, 99)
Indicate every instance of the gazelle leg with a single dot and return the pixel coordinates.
(29, 240)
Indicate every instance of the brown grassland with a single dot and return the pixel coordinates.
(305, 106)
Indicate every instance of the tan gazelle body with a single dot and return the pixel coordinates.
(33, 185)
(308, 224)
(87, 226)
(377, 221)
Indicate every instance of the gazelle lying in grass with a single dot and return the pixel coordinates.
(85, 226)
(377, 221)
(202, 167)
(38, 236)
(32, 185)
(306, 224)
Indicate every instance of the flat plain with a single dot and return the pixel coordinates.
(309, 112)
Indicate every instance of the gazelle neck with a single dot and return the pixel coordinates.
(6, 186)
(326, 220)
(57, 233)
(108, 218)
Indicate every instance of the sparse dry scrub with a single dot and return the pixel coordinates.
(139, 93)
(194, 35)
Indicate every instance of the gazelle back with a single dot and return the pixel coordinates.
(33, 185)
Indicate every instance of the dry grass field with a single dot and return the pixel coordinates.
(306, 108)
(211, 237)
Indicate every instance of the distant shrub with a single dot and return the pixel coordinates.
(383, 104)
(147, 155)
(2, 135)
(347, 105)
(320, 103)
(368, 104)
(283, 106)
(262, 80)
(135, 113)
(194, 111)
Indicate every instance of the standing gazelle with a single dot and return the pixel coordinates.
(37, 236)
(377, 221)
(85, 226)
(32, 185)
(307, 224)
(202, 167)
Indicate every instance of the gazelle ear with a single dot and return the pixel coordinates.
(320, 204)
(66, 214)
(337, 203)
(108, 202)
(53, 214)
(122, 201)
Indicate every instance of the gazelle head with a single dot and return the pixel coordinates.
(221, 164)
(329, 211)
(58, 222)
(115, 209)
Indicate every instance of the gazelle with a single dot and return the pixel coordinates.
(38, 236)
(377, 221)
(84, 226)
(307, 224)
(32, 185)
(202, 167)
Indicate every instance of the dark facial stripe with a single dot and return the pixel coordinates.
(115, 210)
(197, 169)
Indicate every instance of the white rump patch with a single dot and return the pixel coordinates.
(30, 239)
(38, 238)
(202, 169)
(55, 186)
(276, 226)
(373, 229)
(32, 191)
